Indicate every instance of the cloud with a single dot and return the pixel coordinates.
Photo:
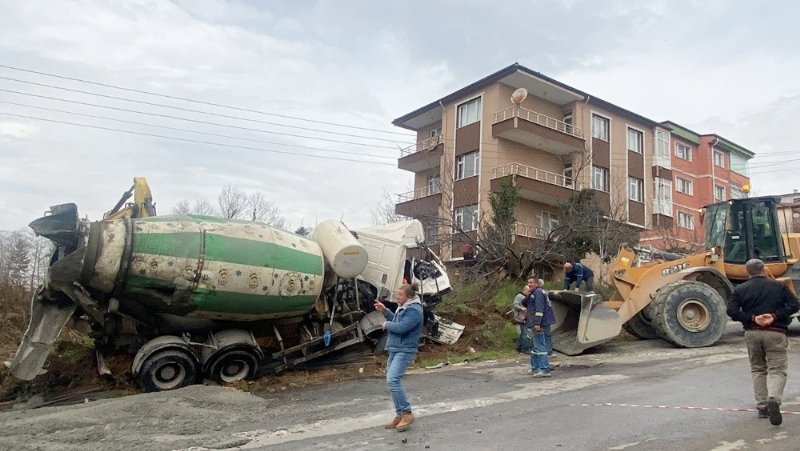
(16, 130)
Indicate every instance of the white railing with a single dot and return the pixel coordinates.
(535, 174)
(538, 118)
(425, 144)
(425, 191)
(530, 231)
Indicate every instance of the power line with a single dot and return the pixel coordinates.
(168, 116)
(227, 116)
(201, 102)
(131, 132)
(193, 131)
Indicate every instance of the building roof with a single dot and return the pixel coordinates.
(694, 137)
(506, 72)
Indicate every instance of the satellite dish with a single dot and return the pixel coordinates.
(519, 96)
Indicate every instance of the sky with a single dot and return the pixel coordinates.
(725, 67)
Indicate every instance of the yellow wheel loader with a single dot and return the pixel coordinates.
(681, 299)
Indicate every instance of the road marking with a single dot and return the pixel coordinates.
(648, 406)
(267, 437)
(631, 445)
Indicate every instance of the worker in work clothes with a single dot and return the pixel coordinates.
(404, 327)
(577, 273)
(520, 318)
(764, 306)
(540, 318)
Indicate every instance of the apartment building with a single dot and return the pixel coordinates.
(703, 169)
(556, 141)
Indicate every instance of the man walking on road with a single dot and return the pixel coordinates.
(540, 318)
(577, 273)
(763, 306)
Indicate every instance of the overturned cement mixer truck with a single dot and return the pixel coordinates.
(195, 297)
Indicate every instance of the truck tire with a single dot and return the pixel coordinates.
(233, 365)
(689, 314)
(380, 345)
(168, 370)
(640, 328)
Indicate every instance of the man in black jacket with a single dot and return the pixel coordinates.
(764, 307)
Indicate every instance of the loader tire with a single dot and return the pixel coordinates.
(640, 328)
(689, 314)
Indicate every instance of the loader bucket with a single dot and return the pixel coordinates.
(582, 321)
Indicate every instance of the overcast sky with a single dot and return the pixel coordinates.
(714, 66)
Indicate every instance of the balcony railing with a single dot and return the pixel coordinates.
(538, 118)
(425, 191)
(530, 231)
(535, 174)
(425, 144)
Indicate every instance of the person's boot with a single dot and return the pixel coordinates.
(393, 424)
(405, 421)
(774, 410)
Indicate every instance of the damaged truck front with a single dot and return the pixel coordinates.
(195, 297)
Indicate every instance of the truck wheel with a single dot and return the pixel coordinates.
(689, 314)
(167, 370)
(640, 328)
(233, 365)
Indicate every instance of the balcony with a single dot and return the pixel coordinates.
(530, 231)
(421, 202)
(422, 155)
(536, 184)
(537, 130)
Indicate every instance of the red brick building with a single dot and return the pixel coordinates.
(704, 169)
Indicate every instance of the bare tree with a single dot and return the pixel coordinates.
(19, 257)
(384, 211)
(183, 207)
(262, 210)
(203, 207)
(232, 202)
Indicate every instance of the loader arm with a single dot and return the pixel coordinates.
(141, 207)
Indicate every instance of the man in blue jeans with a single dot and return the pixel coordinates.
(404, 328)
(540, 317)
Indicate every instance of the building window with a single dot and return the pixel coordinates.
(663, 196)
(738, 164)
(662, 149)
(468, 165)
(467, 218)
(600, 179)
(434, 184)
(548, 221)
(635, 140)
(469, 112)
(684, 186)
(568, 181)
(635, 189)
(599, 127)
(435, 132)
(719, 192)
(683, 151)
(736, 192)
(686, 220)
(719, 159)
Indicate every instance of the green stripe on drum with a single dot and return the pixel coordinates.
(228, 249)
(230, 302)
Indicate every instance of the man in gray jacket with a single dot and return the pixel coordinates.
(520, 316)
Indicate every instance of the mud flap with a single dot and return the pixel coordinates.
(47, 321)
(582, 321)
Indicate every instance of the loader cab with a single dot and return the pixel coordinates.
(744, 229)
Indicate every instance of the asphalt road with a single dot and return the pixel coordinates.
(632, 395)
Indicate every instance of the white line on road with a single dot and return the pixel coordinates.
(264, 437)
